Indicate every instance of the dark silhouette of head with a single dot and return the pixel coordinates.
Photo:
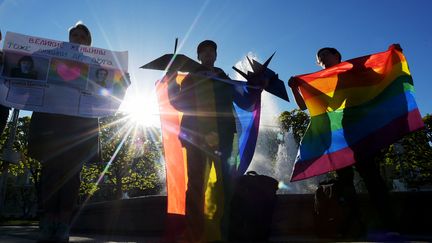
(207, 52)
(328, 56)
(206, 43)
(80, 34)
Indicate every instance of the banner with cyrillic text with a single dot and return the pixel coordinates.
(58, 77)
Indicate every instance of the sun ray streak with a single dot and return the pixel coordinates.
(105, 170)
(195, 21)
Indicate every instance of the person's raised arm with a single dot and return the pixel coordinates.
(1, 58)
(1, 53)
(397, 47)
(293, 84)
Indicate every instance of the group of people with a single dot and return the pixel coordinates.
(63, 143)
(205, 128)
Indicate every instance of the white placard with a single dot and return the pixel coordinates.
(52, 76)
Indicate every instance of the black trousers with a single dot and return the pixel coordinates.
(378, 192)
(60, 182)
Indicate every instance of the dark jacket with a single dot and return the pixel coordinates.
(184, 98)
(4, 114)
(52, 134)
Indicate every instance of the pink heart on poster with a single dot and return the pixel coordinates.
(68, 73)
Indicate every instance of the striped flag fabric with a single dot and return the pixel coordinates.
(357, 108)
(247, 123)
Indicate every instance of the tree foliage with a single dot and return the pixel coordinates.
(296, 121)
(428, 126)
(135, 168)
(24, 177)
(130, 155)
(410, 158)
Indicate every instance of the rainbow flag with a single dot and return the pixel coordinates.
(357, 108)
(176, 162)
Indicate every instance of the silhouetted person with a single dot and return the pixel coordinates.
(206, 132)
(62, 143)
(365, 164)
(4, 111)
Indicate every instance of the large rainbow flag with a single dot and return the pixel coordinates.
(357, 108)
(176, 162)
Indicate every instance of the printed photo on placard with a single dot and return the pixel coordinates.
(100, 80)
(68, 72)
(19, 65)
(106, 82)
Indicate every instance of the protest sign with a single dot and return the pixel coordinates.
(58, 77)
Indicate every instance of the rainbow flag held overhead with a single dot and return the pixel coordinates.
(176, 160)
(357, 108)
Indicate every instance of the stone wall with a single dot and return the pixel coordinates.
(293, 214)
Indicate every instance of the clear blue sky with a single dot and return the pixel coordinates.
(294, 29)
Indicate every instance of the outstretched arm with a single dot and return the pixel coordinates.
(333, 102)
(1, 58)
(297, 96)
(1, 53)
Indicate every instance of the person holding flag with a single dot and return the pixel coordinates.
(357, 108)
(207, 131)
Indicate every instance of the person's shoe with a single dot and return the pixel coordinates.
(356, 230)
(47, 229)
(62, 232)
(385, 236)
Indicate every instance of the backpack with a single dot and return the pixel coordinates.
(252, 207)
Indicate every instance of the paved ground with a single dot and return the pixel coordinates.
(24, 234)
